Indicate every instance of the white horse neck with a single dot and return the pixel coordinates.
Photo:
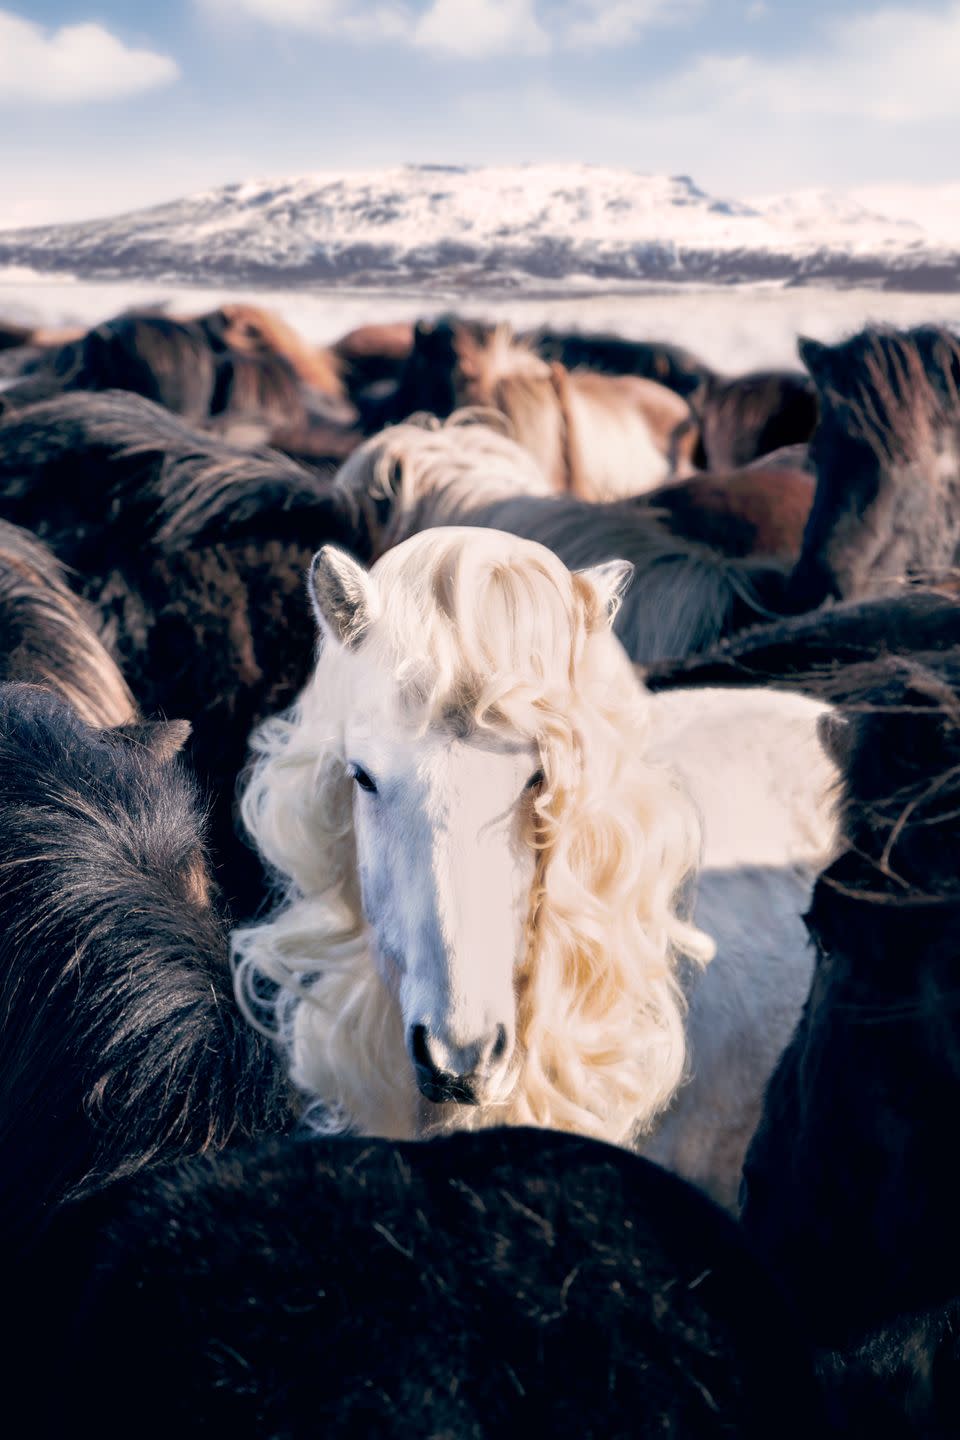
(753, 762)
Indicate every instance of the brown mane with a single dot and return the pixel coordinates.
(255, 331)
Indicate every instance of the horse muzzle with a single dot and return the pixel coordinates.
(459, 1075)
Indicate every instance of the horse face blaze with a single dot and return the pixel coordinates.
(446, 870)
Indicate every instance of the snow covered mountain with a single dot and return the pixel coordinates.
(508, 228)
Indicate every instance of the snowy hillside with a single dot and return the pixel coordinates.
(514, 228)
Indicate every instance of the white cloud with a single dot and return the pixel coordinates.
(76, 62)
(894, 64)
(480, 28)
(297, 14)
(344, 18)
(599, 23)
(471, 29)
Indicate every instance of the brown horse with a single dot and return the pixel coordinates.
(259, 400)
(743, 418)
(669, 365)
(759, 510)
(165, 360)
(251, 330)
(599, 437)
(253, 395)
(262, 388)
(371, 354)
(595, 436)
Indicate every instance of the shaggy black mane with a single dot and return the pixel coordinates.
(122, 1045)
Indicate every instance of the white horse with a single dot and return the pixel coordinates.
(489, 858)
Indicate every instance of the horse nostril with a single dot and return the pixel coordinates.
(436, 1082)
(454, 1074)
(500, 1044)
(419, 1049)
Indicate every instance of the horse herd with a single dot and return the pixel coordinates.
(540, 746)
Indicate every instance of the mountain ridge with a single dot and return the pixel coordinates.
(508, 228)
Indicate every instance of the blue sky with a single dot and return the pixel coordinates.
(106, 105)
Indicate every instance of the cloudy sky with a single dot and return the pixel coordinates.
(106, 105)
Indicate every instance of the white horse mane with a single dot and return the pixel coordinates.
(495, 634)
(439, 466)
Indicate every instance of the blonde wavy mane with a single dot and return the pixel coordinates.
(436, 469)
(486, 632)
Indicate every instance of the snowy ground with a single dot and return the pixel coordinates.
(731, 328)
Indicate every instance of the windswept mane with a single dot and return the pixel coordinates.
(900, 746)
(886, 456)
(465, 461)
(69, 463)
(120, 1047)
(898, 389)
(47, 634)
(165, 360)
(480, 630)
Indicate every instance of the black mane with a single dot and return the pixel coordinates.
(122, 1045)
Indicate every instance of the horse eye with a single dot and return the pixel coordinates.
(535, 779)
(363, 779)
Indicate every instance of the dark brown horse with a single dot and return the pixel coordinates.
(193, 554)
(165, 360)
(374, 354)
(562, 1288)
(744, 418)
(14, 337)
(251, 391)
(823, 653)
(887, 458)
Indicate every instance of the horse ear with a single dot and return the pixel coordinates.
(835, 733)
(816, 357)
(607, 582)
(162, 738)
(343, 595)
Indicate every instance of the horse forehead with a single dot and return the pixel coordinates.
(453, 777)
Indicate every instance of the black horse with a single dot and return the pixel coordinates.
(848, 1182)
(505, 1283)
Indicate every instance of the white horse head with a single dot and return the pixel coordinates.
(448, 800)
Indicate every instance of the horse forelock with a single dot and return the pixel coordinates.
(479, 625)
